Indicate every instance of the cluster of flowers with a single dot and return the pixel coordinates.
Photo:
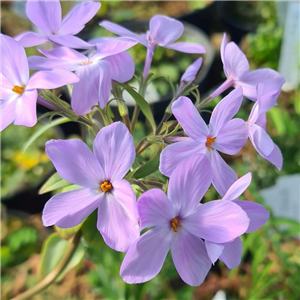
(197, 234)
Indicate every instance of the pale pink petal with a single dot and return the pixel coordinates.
(155, 209)
(189, 118)
(75, 162)
(175, 154)
(7, 112)
(165, 30)
(275, 157)
(76, 19)
(14, 65)
(43, 63)
(51, 79)
(85, 93)
(124, 195)
(232, 137)
(261, 140)
(217, 221)
(122, 31)
(214, 250)
(190, 257)
(71, 208)
(186, 47)
(225, 110)
(191, 72)
(146, 256)
(107, 46)
(232, 253)
(188, 184)
(223, 175)
(64, 53)
(26, 109)
(238, 187)
(271, 80)
(222, 52)
(118, 230)
(235, 61)
(6, 89)
(46, 15)
(121, 66)
(114, 149)
(105, 82)
(70, 41)
(257, 214)
(30, 39)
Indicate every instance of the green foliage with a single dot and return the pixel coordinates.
(52, 252)
(53, 183)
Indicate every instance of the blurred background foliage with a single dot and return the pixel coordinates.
(270, 266)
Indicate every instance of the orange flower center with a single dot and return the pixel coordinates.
(209, 141)
(18, 89)
(175, 224)
(106, 186)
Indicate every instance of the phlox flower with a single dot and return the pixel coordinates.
(18, 91)
(100, 174)
(190, 74)
(231, 252)
(180, 223)
(257, 127)
(46, 15)
(236, 69)
(96, 71)
(163, 32)
(223, 134)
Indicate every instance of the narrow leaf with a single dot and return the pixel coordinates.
(53, 183)
(148, 168)
(42, 130)
(142, 104)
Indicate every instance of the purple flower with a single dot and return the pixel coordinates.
(163, 31)
(236, 68)
(96, 71)
(100, 176)
(180, 223)
(257, 127)
(223, 134)
(190, 74)
(231, 253)
(46, 15)
(18, 91)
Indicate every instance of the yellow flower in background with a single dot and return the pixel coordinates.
(27, 161)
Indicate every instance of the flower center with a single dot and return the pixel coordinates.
(209, 141)
(18, 89)
(175, 224)
(86, 62)
(106, 186)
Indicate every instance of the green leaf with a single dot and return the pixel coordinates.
(52, 252)
(53, 183)
(42, 130)
(142, 104)
(90, 232)
(148, 168)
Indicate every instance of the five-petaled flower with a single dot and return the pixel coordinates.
(231, 252)
(46, 15)
(223, 134)
(18, 91)
(100, 174)
(180, 223)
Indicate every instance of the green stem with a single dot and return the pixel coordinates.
(134, 118)
(50, 278)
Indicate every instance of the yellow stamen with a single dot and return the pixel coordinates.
(209, 141)
(174, 224)
(86, 62)
(106, 186)
(18, 89)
